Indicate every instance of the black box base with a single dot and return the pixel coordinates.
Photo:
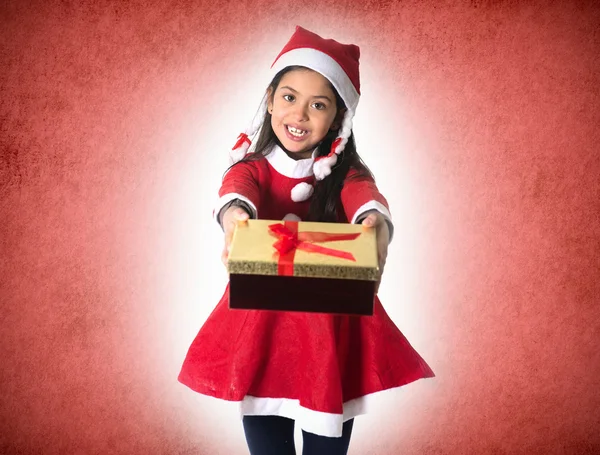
(314, 295)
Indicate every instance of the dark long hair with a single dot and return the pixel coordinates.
(325, 201)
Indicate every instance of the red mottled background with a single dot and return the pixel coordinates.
(480, 120)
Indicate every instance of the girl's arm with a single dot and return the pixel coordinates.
(375, 220)
(363, 203)
(232, 204)
(230, 218)
(240, 188)
(361, 197)
(239, 200)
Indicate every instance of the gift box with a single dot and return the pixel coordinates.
(303, 266)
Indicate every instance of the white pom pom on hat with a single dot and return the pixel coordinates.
(337, 62)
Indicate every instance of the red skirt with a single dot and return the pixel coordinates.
(318, 369)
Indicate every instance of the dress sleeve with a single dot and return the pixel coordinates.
(360, 195)
(232, 203)
(240, 183)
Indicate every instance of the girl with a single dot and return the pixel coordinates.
(318, 370)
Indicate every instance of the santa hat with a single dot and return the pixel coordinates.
(335, 61)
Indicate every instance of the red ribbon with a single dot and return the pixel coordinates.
(243, 137)
(290, 240)
(332, 151)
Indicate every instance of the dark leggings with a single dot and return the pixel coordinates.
(274, 435)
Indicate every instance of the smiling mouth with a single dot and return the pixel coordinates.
(296, 132)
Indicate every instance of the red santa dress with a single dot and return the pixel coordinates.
(318, 369)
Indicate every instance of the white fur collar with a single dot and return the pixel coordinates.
(285, 165)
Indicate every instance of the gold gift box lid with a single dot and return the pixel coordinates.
(252, 251)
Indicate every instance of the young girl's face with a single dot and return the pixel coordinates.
(303, 109)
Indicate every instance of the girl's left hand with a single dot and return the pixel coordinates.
(377, 221)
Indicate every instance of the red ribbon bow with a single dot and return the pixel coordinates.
(332, 150)
(243, 137)
(290, 240)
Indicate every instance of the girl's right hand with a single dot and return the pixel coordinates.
(230, 219)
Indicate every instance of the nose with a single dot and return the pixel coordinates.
(300, 112)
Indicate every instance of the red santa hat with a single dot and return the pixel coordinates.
(335, 61)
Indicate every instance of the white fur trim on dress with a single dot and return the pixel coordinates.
(374, 205)
(302, 192)
(316, 422)
(226, 198)
(324, 64)
(295, 169)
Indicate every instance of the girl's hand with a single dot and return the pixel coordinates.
(377, 221)
(230, 218)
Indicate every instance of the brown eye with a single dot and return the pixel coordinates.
(319, 106)
(289, 98)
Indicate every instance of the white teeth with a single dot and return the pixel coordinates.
(296, 132)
